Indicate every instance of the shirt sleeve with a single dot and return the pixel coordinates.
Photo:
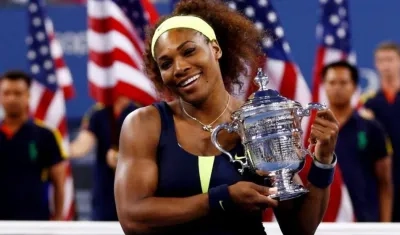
(92, 122)
(367, 99)
(88, 114)
(53, 151)
(379, 145)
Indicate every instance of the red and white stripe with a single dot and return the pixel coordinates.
(63, 74)
(289, 81)
(115, 56)
(50, 107)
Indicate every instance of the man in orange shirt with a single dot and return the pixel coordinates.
(384, 104)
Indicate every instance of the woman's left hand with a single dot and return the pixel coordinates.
(324, 133)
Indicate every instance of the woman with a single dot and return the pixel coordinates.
(170, 179)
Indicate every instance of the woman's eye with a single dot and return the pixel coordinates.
(165, 65)
(189, 51)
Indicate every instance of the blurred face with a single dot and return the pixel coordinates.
(387, 63)
(14, 97)
(339, 86)
(188, 63)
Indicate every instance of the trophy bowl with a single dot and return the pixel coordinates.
(269, 126)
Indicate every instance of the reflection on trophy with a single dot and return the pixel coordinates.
(270, 129)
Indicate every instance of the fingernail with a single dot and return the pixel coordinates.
(273, 190)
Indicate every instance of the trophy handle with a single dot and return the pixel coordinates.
(230, 127)
(302, 112)
(307, 112)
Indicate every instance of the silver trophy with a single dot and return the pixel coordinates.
(269, 126)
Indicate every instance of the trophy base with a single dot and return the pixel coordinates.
(294, 192)
(283, 181)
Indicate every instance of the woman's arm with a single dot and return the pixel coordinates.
(304, 214)
(136, 177)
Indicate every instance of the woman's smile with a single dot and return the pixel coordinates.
(189, 84)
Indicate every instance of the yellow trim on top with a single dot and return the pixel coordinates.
(367, 95)
(96, 107)
(389, 147)
(45, 175)
(206, 164)
(56, 134)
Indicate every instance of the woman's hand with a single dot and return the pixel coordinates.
(324, 133)
(252, 197)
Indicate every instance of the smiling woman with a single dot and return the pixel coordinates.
(170, 178)
(236, 37)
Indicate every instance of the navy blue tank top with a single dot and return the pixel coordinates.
(182, 174)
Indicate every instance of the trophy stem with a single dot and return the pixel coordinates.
(287, 188)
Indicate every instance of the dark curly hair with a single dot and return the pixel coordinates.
(239, 39)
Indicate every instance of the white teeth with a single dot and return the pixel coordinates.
(190, 80)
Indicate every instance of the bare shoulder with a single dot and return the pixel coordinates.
(142, 127)
(144, 117)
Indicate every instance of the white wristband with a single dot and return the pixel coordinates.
(325, 166)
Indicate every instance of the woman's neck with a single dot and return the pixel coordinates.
(209, 109)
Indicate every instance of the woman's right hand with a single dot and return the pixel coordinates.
(252, 197)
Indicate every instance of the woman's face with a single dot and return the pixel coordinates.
(188, 63)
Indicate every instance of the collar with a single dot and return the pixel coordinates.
(8, 132)
(390, 98)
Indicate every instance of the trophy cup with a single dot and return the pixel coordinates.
(269, 126)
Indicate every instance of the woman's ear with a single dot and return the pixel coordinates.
(216, 50)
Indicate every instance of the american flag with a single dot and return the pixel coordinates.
(278, 64)
(51, 86)
(115, 41)
(334, 43)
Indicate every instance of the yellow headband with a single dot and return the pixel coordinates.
(190, 22)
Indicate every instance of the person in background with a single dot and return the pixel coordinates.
(384, 104)
(363, 157)
(30, 155)
(100, 127)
